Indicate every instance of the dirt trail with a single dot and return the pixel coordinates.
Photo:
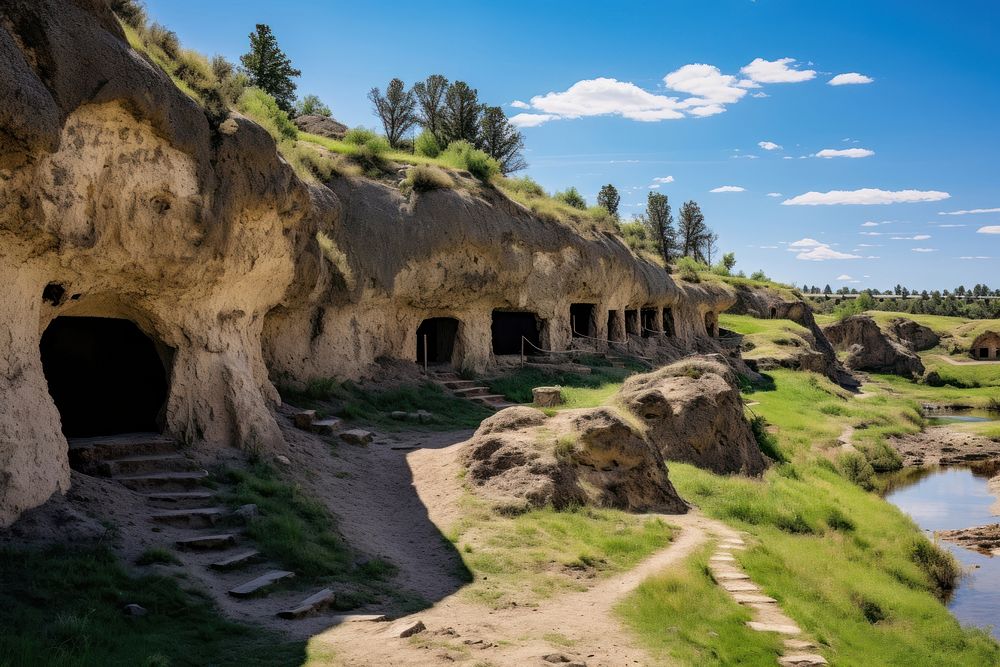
(459, 629)
(956, 362)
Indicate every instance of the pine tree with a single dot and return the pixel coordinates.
(501, 140)
(609, 199)
(661, 225)
(430, 95)
(269, 68)
(460, 114)
(396, 109)
(694, 235)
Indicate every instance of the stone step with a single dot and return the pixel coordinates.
(88, 451)
(180, 499)
(312, 604)
(739, 586)
(163, 481)
(202, 517)
(236, 561)
(730, 576)
(489, 398)
(753, 598)
(799, 645)
(722, 558)
(356, 618)
(146, 463)
(802, 660)
(261, 583)
(459, 384)
(780, 628)
(469, 392)
(207, 542)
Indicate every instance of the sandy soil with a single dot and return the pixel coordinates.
(940, 445)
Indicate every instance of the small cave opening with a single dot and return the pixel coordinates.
(632, 322)
(774, 312)
(583, 319)
(649, 324)
(712, 324)
(509, 327)
(669, 327)
(436, 340)
(105, 376)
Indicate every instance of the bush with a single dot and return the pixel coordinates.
(882, 457)
(462, 155)
(855, 467)
(760, 276)
(359, 136)
(768, 443)
(131, 12)
(572, 197)
(423, 178)
(427, 145)
(525, 185)
(262, 108)
(688, 269)
(939, 565)
(165, 39)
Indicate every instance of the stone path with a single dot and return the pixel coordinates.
(767, 614)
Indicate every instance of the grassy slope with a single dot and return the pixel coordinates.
(772, 339)
(838, 558)
(578, 390)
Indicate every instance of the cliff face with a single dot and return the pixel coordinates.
(119, 199)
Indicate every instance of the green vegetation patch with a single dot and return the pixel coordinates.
(64, 606)
(579, 390)
(771, 339)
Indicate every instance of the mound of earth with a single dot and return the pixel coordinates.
(871, 349)
(943, 446)
(693, 412)
(914, 335)
(519, 459)
(323, 126)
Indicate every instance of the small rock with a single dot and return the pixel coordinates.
(134, 610)
(283, 460)
(406, 628)
(555, 658)
(425, 417)
(304, 420)
(357, 436)
(247, 512)
(547, 397)
(327, 426)
(398, 414)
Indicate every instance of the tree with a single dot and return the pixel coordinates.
(430, 95)
(396, 109)
(609, 199)
(501, 140)
(269, 68)
(460, 114)
(693, 234)
(661, 225)
(311, 105)
(572, 197)
(729, 261)
(827, 290)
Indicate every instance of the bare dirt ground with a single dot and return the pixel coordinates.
(940, 445)
(970, 362)
(578, 626)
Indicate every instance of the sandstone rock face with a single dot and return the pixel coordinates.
(871, 349)
(324, 126)
(693, 412)
(915, 336)
(521, 459)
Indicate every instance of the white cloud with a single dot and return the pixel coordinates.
(804, 243)
(822, 253)
(972, 211)
(844, 276)
(531, 119)
(871, 233)
(728, 188)
(706, 83)
(603, 96)
(865, 196)
(776, 71)
(869, 245)
(945, 226)
(845, 152)
(654, 186)
(663, 179)
(989, 229)
(975, 257)
(769, 145)
(918, 237)
(869, 224)
(924, 249)
(773, 194)
(518, 104)
(849, 78)
(760, 94)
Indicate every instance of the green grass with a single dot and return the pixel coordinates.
(532, 556)
(682, 615)
(579, 390)
(772, 339)
(62, 607)
(374, 408)
(157, 556)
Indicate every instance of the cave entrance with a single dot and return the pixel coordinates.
(632, 322)
(509, 326)
(104, 375)
(583, 320)
(668, 322)
(649, 317)
(774, 312)
(436, 336)
(616, 326)
(712, 324)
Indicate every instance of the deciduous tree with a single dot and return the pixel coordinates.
(661, 225)
(609, 199)
(396, 109)
(430, 95)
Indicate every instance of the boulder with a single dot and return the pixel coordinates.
(547, 397)
(693, 412)
(324, 126)
(304, 420)
(871, 349)
(521, 459)
(915, 336)
(357, 436)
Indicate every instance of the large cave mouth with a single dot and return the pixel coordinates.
(104, 375)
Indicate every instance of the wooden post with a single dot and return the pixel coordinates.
(425, 354)
(522, 351)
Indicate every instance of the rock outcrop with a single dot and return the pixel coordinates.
(693, 412)
(519, 459)
(871, 349)
(915, 336)
(323, 126)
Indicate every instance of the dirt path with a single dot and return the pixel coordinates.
(955, 362)
(579, 626)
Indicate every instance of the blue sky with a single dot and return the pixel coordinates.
(687, 92)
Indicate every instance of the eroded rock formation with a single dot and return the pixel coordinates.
(872, 349)
(915, 336)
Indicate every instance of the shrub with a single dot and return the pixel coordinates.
(359, 136)
(760, 276)
(855, 467)
(768, 443)
(462, 155)
(939, 565)
(882, 457)
(688, 268)
(423, 178)
(572, 197)
(261, 107)
(427, 145)
(525, 185)
(165, 39)
(131, 12)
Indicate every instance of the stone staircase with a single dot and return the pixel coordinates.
(180, 508)
(469, 390)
